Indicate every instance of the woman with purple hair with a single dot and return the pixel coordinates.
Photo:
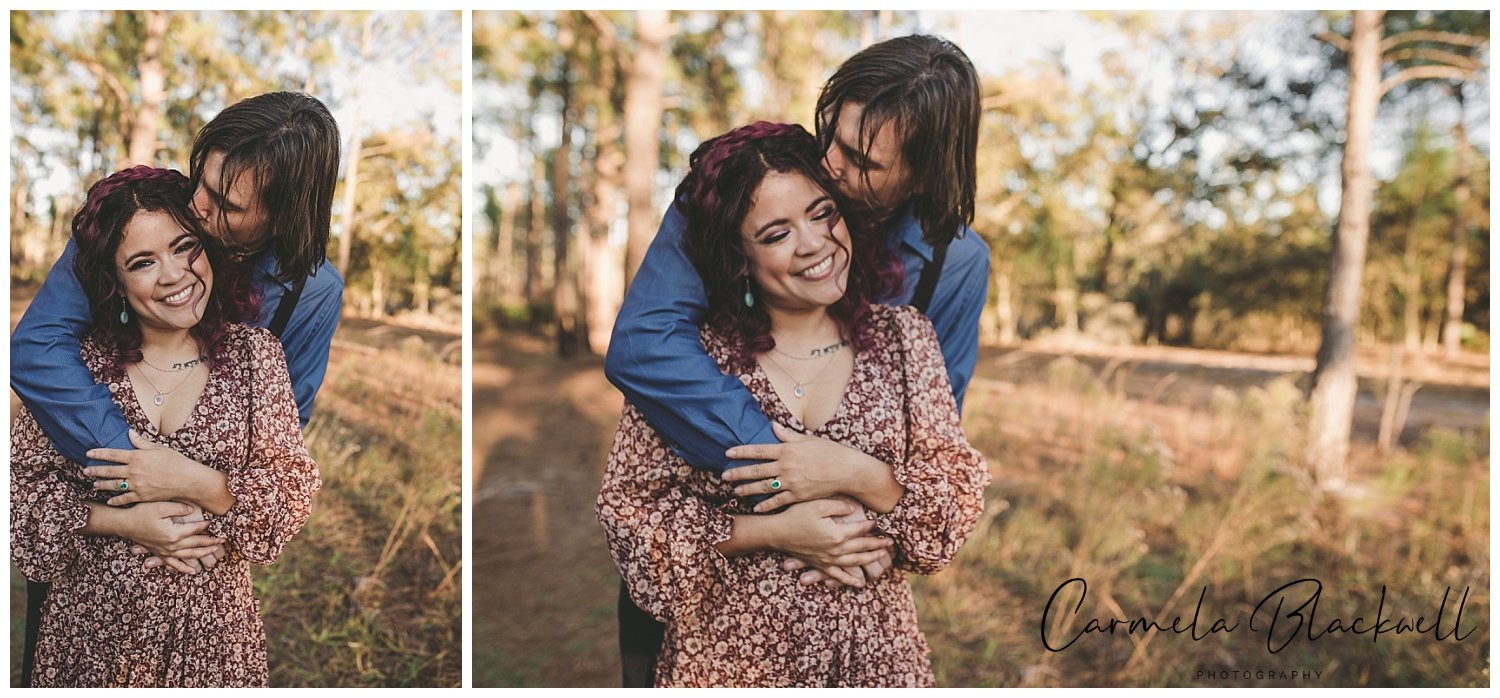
(859, 387)
(150, 573)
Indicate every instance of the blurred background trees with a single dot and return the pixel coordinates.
(93, 92)
(1184, 191)
(1202, 180)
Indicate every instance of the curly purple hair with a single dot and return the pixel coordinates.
(715, 196)
(99, 228)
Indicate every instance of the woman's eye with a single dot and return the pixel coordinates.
(825, 213)
(188, 246)
(139, 265)
(774, 237)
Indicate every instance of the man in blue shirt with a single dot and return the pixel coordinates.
(264, 172)
(899, 123)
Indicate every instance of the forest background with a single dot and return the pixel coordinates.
(370, 592)
(1237, 332)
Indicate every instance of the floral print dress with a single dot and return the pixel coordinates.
(744, 621)
(107, 621)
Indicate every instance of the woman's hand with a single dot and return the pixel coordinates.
(170, 531)
(807, 468)
(156, 473)
(868, 572)
(830, 535)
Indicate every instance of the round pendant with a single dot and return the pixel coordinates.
(795, 391)
(158, 399)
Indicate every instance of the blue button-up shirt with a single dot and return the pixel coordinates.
(47, 371)
(657, 360)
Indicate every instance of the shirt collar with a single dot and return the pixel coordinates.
(265, 266)
(907, 230)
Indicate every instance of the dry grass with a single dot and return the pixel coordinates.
(371, 594)
(1154, 475)
(1154, 502)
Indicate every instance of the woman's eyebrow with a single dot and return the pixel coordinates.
(768, 225)
(142, 253)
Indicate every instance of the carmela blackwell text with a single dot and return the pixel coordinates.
(1285, 615)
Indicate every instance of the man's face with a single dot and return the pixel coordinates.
(235, 216)
(877, 181)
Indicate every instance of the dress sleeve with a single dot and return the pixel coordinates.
(661, 535)
(943, 475)
(47, 507)
(273, 490)
(657, 360)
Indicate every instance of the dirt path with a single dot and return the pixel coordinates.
(544, 584)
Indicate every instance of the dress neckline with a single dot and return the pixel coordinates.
(784, 414)
(136, 413)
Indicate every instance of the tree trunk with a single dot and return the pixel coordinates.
(1005, 308)
(535, 221)
(1458, 260)
(153, 90)
(1066, 298)
(505, 243)
(1335, 381)
(421, 290)
(644, 88)
(356, 143)
(1411, 278)
(603, 276)
(62, 211)
(1411, 304)
(565, 307)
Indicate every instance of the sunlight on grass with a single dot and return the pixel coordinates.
(1153, 502)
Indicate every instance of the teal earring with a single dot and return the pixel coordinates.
(749, 297)
(124, 312)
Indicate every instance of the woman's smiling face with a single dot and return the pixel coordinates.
(164, 272)
(796, 244)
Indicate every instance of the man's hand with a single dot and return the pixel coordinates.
(184, 565)
(812, 575)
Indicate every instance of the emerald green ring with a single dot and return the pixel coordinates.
(775, 485)
(124, 485)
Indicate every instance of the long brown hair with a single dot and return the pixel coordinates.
(928, 89)
(289, 143)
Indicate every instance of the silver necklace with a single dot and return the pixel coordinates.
(797, 389)
(161, 395)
